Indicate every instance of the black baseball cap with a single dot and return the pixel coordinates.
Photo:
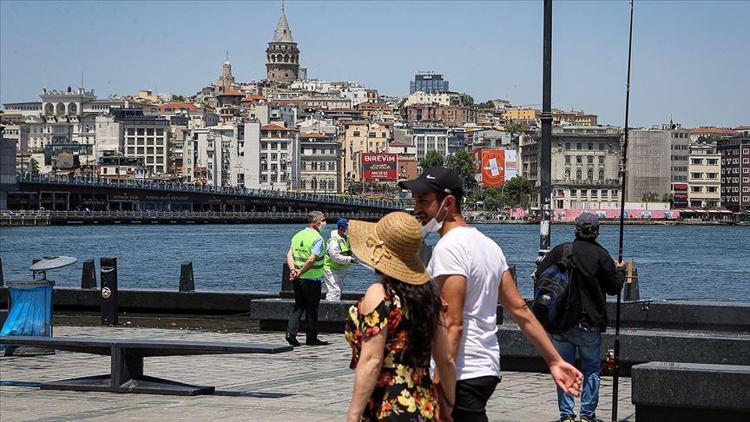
(435, 179)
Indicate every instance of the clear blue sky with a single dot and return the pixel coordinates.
(690, 59)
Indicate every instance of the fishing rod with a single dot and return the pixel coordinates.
(616, 369)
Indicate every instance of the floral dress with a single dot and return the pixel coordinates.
(402, 392)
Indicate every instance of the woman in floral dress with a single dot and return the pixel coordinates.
(395, 328)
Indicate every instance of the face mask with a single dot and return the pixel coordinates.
(322, 226)
(433, 226)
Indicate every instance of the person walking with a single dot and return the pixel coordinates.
(473, 276)
(595, 274)
(396, 327)
(337, 261)
(305, 259)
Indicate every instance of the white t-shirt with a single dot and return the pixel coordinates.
(466, 251)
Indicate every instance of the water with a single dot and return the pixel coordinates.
(674, 262)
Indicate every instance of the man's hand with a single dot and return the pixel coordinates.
(620, 265)
(293, 274)
(567, 377)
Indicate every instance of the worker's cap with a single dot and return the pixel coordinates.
(435, 179)
(342, 223)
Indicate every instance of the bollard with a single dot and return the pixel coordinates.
(286, 285)
(632, 288)
(108, 268)
(2, 277)
(88, 275)
(187, 281)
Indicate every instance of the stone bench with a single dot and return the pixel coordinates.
(636, 347)
(691, 392)
(126, 372)
(273, 314)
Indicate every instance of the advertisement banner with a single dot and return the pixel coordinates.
(383, 167)
(511, 164)
(493, 167)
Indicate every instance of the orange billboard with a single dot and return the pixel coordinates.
(493, 167)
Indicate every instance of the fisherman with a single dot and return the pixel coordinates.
(595, 274)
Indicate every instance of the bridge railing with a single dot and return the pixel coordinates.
(114, 214)
(169, 186)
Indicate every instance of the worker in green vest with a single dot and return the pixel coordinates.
(305, 259)
(337, 261)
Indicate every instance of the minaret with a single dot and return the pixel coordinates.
(282, 54)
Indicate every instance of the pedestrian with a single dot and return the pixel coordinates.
(337, 261)
(305, 260)
(473, 275)
(595, 274)
(396, 327)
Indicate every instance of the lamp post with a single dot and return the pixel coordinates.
(545, 155)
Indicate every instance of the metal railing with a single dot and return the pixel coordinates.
(167, 186)
(49, 214)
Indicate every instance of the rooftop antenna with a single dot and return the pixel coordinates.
(227, 57)
(282, 6)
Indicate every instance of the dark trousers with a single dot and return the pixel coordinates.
(471, 398)
(306, 300)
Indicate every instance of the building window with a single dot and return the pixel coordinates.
(601, 174)
(579, 175)
(579, 160)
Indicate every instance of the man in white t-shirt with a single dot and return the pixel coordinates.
(473, 277)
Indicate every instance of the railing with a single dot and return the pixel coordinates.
(47, 214)
(162, 185)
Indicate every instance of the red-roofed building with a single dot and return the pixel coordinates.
(178, 106)
(711, 133)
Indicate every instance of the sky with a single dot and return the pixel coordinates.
(690, 59)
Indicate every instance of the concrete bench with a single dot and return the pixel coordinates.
(636, 347)
(691, 392)
(273, 314)
(126, 373)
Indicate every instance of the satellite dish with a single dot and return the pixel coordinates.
(53, 263)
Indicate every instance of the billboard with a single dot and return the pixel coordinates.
(493, 167)
(511, 164)
(379, 166)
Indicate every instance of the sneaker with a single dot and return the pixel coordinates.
(590, 419)
(316, 342)
(568, 419)
(292, 340)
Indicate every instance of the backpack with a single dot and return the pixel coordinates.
(556, 302)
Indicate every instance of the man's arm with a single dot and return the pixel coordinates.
(453, 292)
(551, 258)
(565, 375)
(612, 274)
(334, 251)
(293, 272)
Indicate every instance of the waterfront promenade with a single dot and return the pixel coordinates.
(310, 384)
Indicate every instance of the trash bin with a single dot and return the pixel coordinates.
(30, 313)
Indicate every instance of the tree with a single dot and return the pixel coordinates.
(485, 105)
(513, 128)
(518, 190)
(431, 159)
(650, 197)
(466, 99)
(34, 166)
(668, 197)
(462, 164)
(178, 98)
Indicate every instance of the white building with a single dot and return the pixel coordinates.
(428, 139)
(704, 182)
(439, 98)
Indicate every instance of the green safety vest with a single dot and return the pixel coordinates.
(345, 249)
(302, 244)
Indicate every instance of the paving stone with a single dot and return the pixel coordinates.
(311, 384)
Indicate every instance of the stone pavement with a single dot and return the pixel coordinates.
(310, 384)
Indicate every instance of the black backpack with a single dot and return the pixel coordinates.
(556, 302)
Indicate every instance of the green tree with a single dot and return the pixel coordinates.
(494, 198)
(485, 105)
(462, 164)
(650, 197)
(667, 197)
(513, 128)
(518, 191)
(34, 166)
(431, 159)
(178, 98)
(466, 99)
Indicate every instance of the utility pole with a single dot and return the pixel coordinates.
(545, 148)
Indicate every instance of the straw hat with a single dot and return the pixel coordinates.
(391, 246)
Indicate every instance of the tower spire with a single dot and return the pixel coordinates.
(282, 6)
